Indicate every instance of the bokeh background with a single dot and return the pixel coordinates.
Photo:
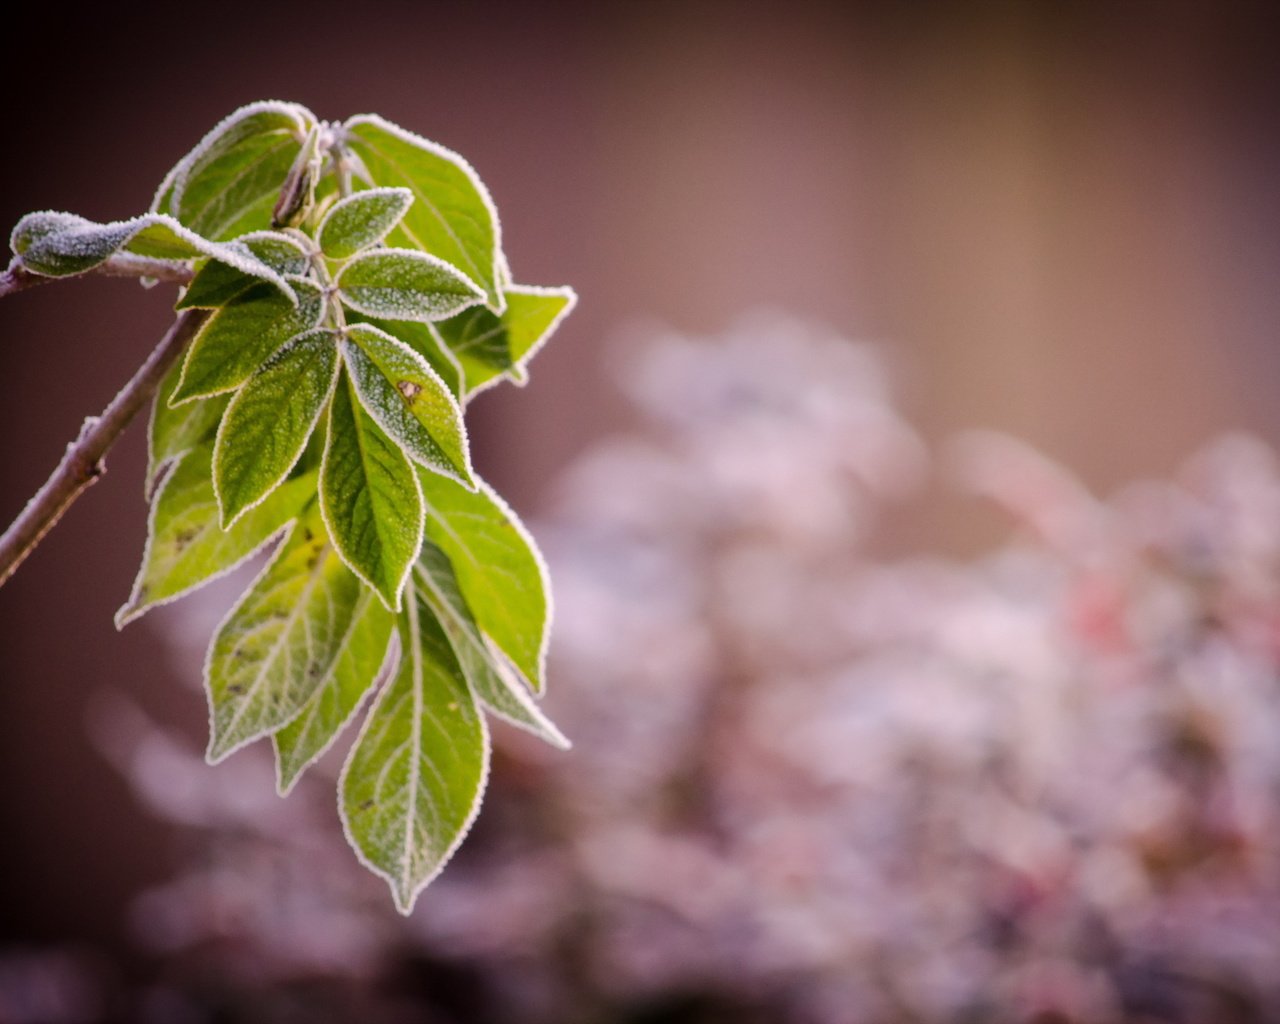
(880, 714)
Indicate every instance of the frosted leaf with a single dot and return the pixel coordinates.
(423, 339)
(404, 395)
(499, 569)
(452, 217)
(229, 183)
(269, 421)
(216, 284)
(363, 653)
(242, 335)
(175, 430)
(276, 647)
(412, 784)
(488, 345)
(370, 497)
(361, 220)
(63, 244)
(484, 667)
(185, 546)
(400, 284)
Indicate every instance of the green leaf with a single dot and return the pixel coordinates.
(65, 244)
(413, 782)
(270, 419)
(174, 430)
(216, 284)
(400, 284)
(500, 571)
(361, 656)
(488, 345)
(423, 340)
(185, 545)
(229, 183)
(361, 220)
(371, 499)
(282, 640)
(408, 400)
(452, 216)
(490, 679)
(244, 334)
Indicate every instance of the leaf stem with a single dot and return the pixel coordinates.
(83, 463)
(18, 278)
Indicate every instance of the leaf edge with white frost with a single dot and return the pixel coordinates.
(139, 603)
(40, 254)
(290, 766)
(302, 348)
(533, 671)
(513, 371)
(502, 695)
(396, 201)
(170, 180)
(273, 672)
(199, 348)
(345, 402)
(200, 416)
(384, 399)
(405, 890)
(256, 243)
(465, 292)
(490, 276)
(299, 120)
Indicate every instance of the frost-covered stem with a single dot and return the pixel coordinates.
(18, 278)
(83, 462)
(341, 168)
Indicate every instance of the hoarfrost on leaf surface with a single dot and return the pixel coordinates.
(400, 284)
(408, 400)
(270, 419)
(361, 220)
(64, 244)
(281, 641)
(186, 547)
(488, 675)
(499, 569)
(452, 217)
(318, 402)
(362, 654)
(412, 784)
(371, 498)
(229, 183)
(242, 335)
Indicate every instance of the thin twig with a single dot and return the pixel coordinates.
(83, 463)
(18, 278)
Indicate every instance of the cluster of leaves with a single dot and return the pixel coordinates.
(354, 297)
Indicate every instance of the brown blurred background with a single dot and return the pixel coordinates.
(1062, 218)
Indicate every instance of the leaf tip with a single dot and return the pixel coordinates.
(559, 740)
(218, 750)
(405, 896)
(285, 780)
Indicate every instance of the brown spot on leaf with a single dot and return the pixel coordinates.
(408, 390)
(365, 805)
